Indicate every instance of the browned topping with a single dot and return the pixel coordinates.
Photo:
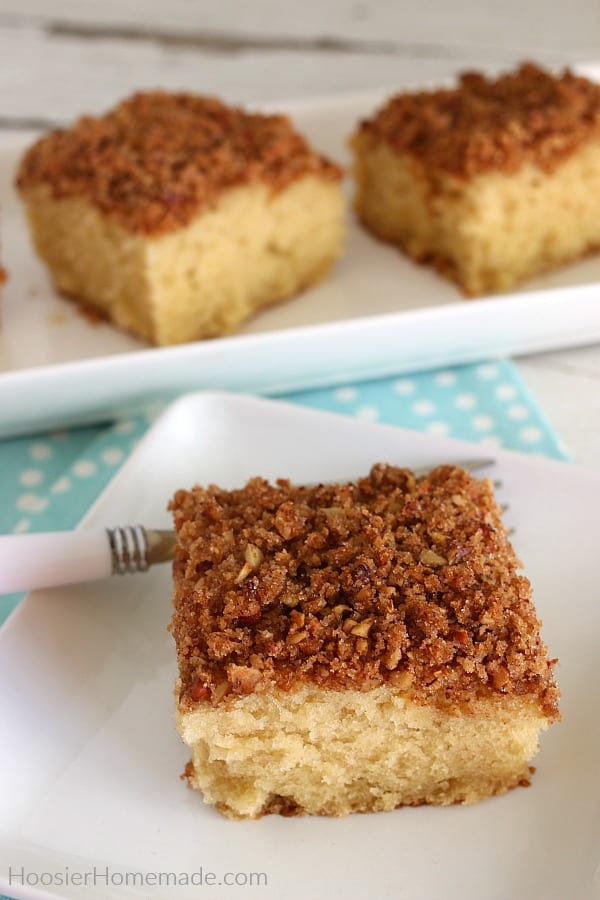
(488, 125)
(158, 159)
(3, 275)
(397, 579)
(188, 773)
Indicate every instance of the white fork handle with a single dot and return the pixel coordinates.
(30, 561)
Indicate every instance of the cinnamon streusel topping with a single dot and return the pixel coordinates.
(487, 125)
(394, 578)
(158, 159)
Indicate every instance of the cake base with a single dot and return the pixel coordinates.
(254, 248)
(487, 232)
(323, 752)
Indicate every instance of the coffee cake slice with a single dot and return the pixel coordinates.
(493, 181)
(178, 217)
(354, 647)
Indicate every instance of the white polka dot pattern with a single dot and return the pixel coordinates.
(404, 387)
(531, 434)
(31, 503)
(367, 413)
(84, 468)
(61, 485)
(22, 526)
(485, 403)
(505, 391)
(440, 429)
(31, 477)
(466, 401)
(483, 423)
(345, 395)
(40, 451)
(518, 412)
(112, 455)
(423, 407)
(445, 379)
(487, 371)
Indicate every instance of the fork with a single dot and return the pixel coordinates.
(32, 561)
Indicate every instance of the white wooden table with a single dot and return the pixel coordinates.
(60, 59)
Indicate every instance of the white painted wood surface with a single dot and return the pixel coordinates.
(60, 59)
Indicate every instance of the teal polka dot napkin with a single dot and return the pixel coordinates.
(487, 404)
(49, 481)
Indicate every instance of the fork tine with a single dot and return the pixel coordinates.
(470, 465)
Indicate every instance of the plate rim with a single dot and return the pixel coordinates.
(192, 400)
(200, 354)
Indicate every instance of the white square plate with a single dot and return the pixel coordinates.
(89, 758)
(377, 314)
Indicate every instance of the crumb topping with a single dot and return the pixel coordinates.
(3, 275)
(485, 124)
(158, 159)
(394, 578)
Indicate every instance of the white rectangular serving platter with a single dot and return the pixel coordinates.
(89, 757)
(377, 314)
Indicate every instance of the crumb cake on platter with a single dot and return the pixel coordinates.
(354, 647)
(492, 181)
(177, 217)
